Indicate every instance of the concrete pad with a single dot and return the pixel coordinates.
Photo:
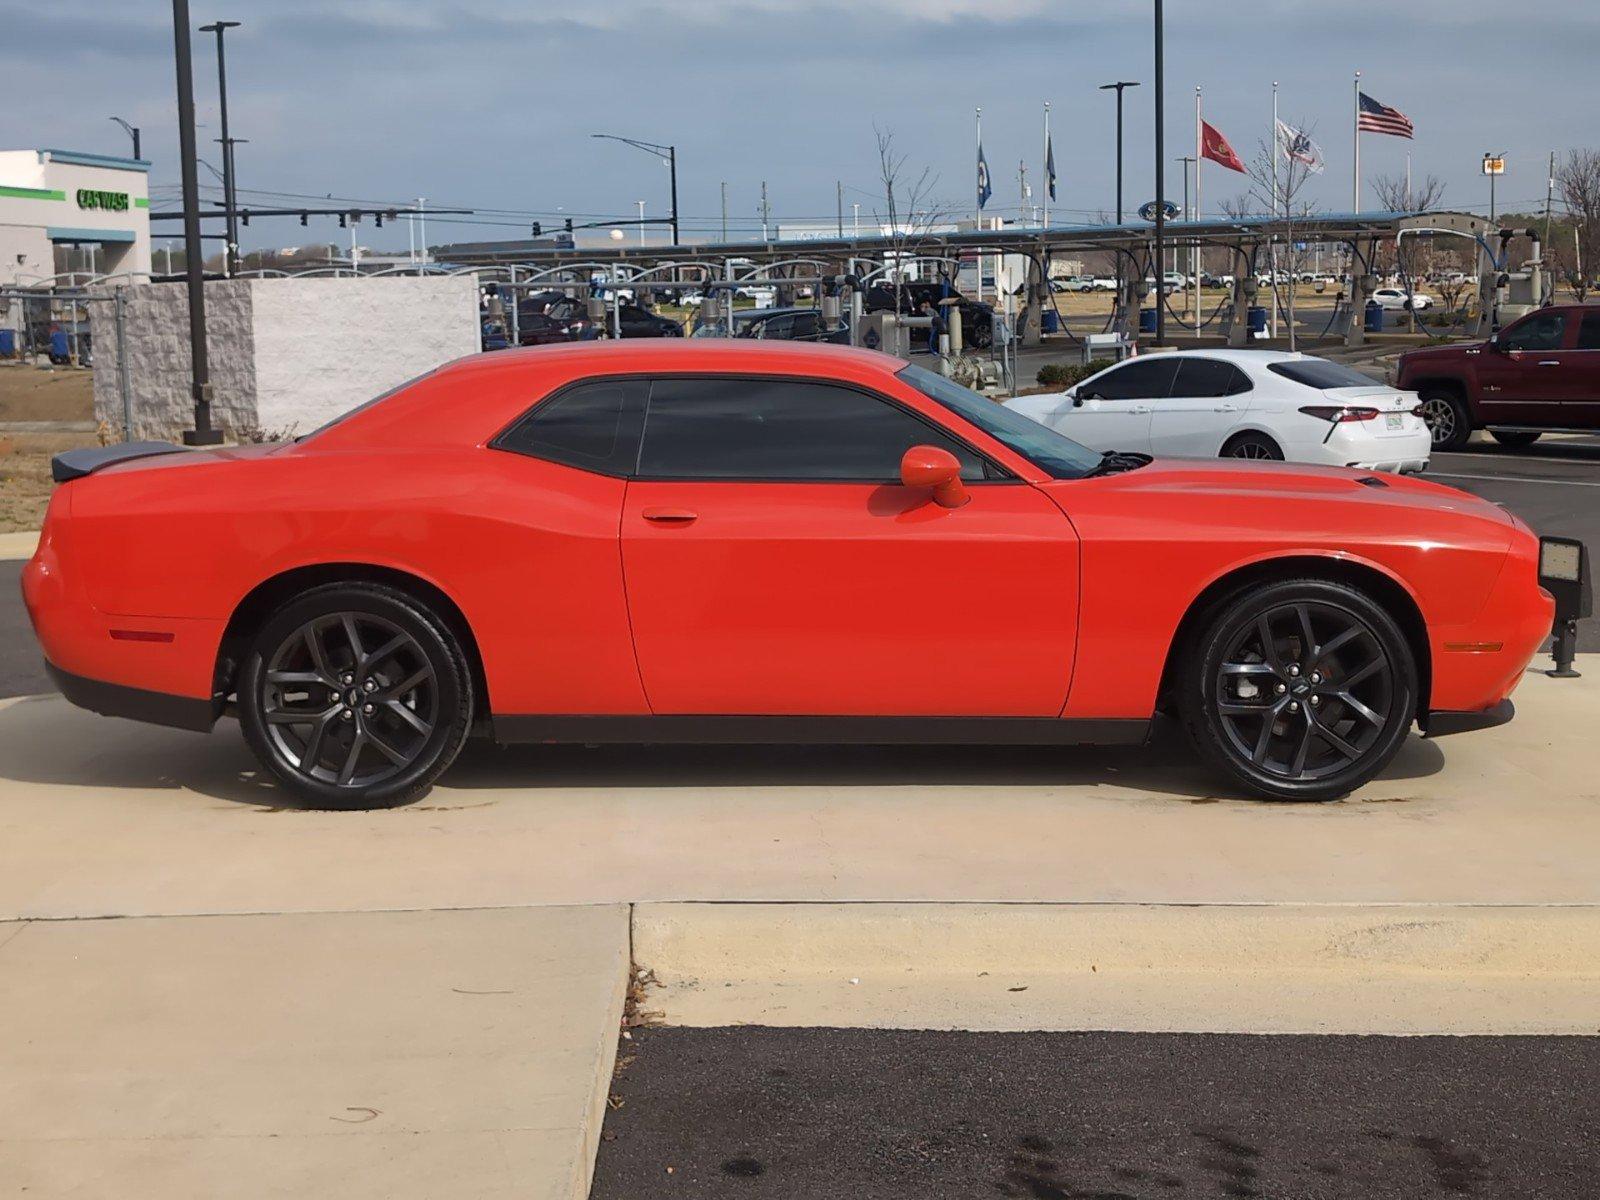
(18, 545)
(1357, 969)
(100, 817)
(420, 1054)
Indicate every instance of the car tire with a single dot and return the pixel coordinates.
(1334, 705)
(1252, 445)
(1514, 439)
(1448, 418)
(368, 683)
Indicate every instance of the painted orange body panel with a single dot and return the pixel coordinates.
(1039, 597)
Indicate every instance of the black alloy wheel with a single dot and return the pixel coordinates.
(1300, 690)
(1253, 445)
(1449, 423)
(355, 696)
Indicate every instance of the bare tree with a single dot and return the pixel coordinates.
(1578, 183)
(1414, 257)
(1277, 184)
(910, 213)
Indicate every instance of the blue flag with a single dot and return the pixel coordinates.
(984, 190)
(1050, 166)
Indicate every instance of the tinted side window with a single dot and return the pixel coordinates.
(806, 325)
(593, 425)
(781, 429)
(1142, 379)
(1209, 377)
(1589, 331)
(1540, 331)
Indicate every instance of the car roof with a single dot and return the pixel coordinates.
(1260, 357)
(680, 354)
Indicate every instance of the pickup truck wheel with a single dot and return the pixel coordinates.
(1449, 422)
(1514, 439)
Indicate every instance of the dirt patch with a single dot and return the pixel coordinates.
(25, 483)
(36, 394)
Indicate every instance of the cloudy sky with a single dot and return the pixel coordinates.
(490, 106)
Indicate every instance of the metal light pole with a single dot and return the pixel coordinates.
(202, 434)
(1161, 167)
(1191, 300)
(231, 254)
(1119, 87)
(668, 155)
(132, 131)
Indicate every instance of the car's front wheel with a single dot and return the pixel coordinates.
(355, 696)
(1298, 690)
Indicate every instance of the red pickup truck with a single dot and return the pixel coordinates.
(1541, 373)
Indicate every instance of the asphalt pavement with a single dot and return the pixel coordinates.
(825, 1113)
(21, 668)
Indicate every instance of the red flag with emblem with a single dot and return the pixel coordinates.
(1215, 147)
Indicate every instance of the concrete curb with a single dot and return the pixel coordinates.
(15, 546)
(1404, 969)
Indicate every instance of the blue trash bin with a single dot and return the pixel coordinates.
(1255, 319)
(1049, 323)
(1147, 320)
(59, 351)
(8, 342)
(1374, 317)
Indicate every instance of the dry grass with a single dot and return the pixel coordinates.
(36, 394)
(33, 394)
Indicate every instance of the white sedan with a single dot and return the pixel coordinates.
(1240, 404)
(1394, 299)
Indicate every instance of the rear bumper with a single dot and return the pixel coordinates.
(1443, 723)
(136, 704)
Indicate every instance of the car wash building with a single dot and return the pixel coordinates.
(63, 210)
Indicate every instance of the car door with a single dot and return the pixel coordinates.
(1204, 405)
(1112, 410)
(1528, 370)
(1581, 407)
(775, 564)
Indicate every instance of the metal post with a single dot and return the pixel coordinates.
(1161, 167)
(724, 210)
(422, 227)
(202, 434)
(672, 165)
(124, 386)
(640, 203)
(766, 212)
(230, 253)
(1355, 186)
(1049, 182)
(839, 195)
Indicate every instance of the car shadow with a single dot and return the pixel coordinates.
(43, 741)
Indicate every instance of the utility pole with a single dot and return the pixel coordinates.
(640, 203)
(1549, 196)
(838, 187)
(724, 210)
(230, 255)
(855, 216)
(766, 211)
(202, 434)
(1161, 165)
(422, 227)
(1119, 87)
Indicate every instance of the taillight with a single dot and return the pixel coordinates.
(1418, 412)
(1339, 414)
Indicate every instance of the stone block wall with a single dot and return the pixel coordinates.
(287, 355)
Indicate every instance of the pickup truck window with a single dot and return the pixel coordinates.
(1589, 331)
(1539, 331)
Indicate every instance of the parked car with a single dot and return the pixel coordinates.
(1240, 404)
(1539, 373)
(789, 324)
(1397, 299)
(694, 542)
(567, 319)
(1073, 283)
(977, 317)
(1104, 283)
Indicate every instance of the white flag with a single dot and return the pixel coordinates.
(1297, 145)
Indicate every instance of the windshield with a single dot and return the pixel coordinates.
(1321, 374)
(1060, 457)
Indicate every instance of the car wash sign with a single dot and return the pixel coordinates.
(99, 201)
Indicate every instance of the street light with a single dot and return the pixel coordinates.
(231, 257)
(1120, 86)
(668, 155)
(1161, 168)
(132, 131)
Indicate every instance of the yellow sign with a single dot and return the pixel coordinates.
(1493, 165)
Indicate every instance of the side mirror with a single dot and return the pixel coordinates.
(931, 467)
(1494, 344)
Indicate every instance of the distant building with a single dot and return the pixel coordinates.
(65, 210)
(468, 254)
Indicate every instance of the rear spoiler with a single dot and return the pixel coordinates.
(74, 464)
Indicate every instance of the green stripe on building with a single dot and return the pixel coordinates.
(141, 202)
(22, 193)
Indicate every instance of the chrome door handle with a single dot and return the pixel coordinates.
(1550, 362)
(669, 516)
(1139, 408)
(1226, 408)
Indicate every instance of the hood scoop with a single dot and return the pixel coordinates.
(1372, 481)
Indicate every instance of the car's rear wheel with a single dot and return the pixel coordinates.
(355, 696)
(1298, 690)
(1449, 422)
(1514, 439)
(1253, 445)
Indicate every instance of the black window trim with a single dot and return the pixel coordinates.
(1003, 475)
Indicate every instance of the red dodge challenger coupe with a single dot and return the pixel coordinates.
(762, 542)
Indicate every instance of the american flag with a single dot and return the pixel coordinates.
(1380, 118)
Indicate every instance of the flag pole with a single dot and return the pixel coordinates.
(1194, 257)
(1049, 181)
(977, 192)
(1355, 195)
(1273, 255)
